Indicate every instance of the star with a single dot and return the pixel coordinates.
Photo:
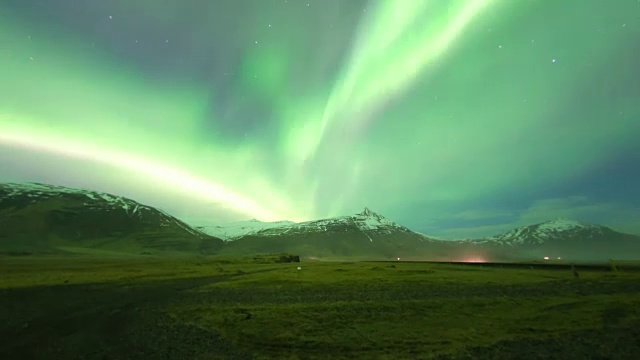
(554, 60)
(110, 17)
(499, 46)
(269, 25)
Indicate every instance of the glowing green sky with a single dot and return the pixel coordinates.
(456, 118)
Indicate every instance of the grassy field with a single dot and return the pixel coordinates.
(213, 308)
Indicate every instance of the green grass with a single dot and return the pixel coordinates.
(337, 310)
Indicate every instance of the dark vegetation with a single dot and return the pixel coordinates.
(259, 308)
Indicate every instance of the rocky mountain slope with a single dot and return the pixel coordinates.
(47, 218)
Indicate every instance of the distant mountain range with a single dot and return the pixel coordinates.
(370, 235)
(238, 229)
(53, 219)
(565, 238)
(46, 218)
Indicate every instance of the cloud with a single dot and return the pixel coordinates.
(474, 232)
(477, 214)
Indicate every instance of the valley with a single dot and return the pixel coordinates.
(98, 276)
(246, 308)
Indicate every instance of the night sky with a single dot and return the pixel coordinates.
(456, 118)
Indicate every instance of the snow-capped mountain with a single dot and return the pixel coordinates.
(365, 235)
(233, 230)
(564, 239)
(32, 212)
(554, 230)
(44, 218)
(367, 223)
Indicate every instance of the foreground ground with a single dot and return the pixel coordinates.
(87, 308)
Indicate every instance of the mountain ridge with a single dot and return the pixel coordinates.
(41, 217)
(366, 234)
(35, 215)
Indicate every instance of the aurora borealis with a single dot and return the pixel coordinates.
(455, 118)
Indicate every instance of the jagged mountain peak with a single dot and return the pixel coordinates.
(366, 212)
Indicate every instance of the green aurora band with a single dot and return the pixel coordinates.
(444, 102)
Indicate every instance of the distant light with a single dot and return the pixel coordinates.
(559, 258)
(398, 259)
(546, 258)
(554, 60)
(299, 268)
(474, 259)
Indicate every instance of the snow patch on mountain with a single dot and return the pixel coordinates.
(107, 202)
(561, 224)
(234, 230)
(369, 223)
(539, 233)
(44, 191)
